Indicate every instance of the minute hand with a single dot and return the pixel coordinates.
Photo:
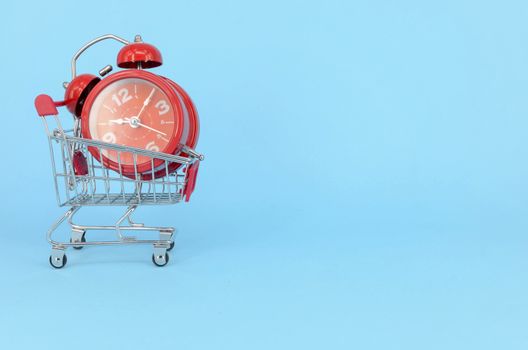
(148, 127)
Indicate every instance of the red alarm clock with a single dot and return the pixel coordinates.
(134, 108)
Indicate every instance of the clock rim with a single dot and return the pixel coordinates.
(192, 138)
(170, 148)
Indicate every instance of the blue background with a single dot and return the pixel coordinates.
(364, 183)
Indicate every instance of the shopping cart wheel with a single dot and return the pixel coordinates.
(160, 260)
(78, 247)
(77, 236)
(58, 262)
(170, 247)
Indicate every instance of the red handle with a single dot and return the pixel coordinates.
(192, 172)
(46, 106)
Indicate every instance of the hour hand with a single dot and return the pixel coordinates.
(119, 121)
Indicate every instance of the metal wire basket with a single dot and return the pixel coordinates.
(82, 180)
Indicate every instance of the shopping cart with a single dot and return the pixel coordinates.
(81, 180)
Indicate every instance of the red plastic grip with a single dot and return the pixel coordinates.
(192, 173)
(45, 106)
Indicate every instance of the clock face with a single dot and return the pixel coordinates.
(133, 112)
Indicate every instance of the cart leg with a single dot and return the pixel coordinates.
(126, 215)
(58, 257)
(134, 224)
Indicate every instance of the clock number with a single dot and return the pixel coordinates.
(151, 146)
(162, 106)
(121, 97)
(109, 137)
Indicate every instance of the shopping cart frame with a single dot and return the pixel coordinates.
(93, 184)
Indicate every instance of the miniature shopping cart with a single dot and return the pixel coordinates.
(81, 180)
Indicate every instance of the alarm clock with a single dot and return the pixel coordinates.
(134, 108)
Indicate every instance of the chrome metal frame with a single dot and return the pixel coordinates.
(101, 186)
(90, 43)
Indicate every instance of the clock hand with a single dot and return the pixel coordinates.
(137, 122)
(148, 127)
(146, 102)
(119, 121)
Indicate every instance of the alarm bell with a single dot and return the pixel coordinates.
(139, 55)
(77, 90)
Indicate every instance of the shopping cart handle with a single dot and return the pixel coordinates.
(46, 106)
